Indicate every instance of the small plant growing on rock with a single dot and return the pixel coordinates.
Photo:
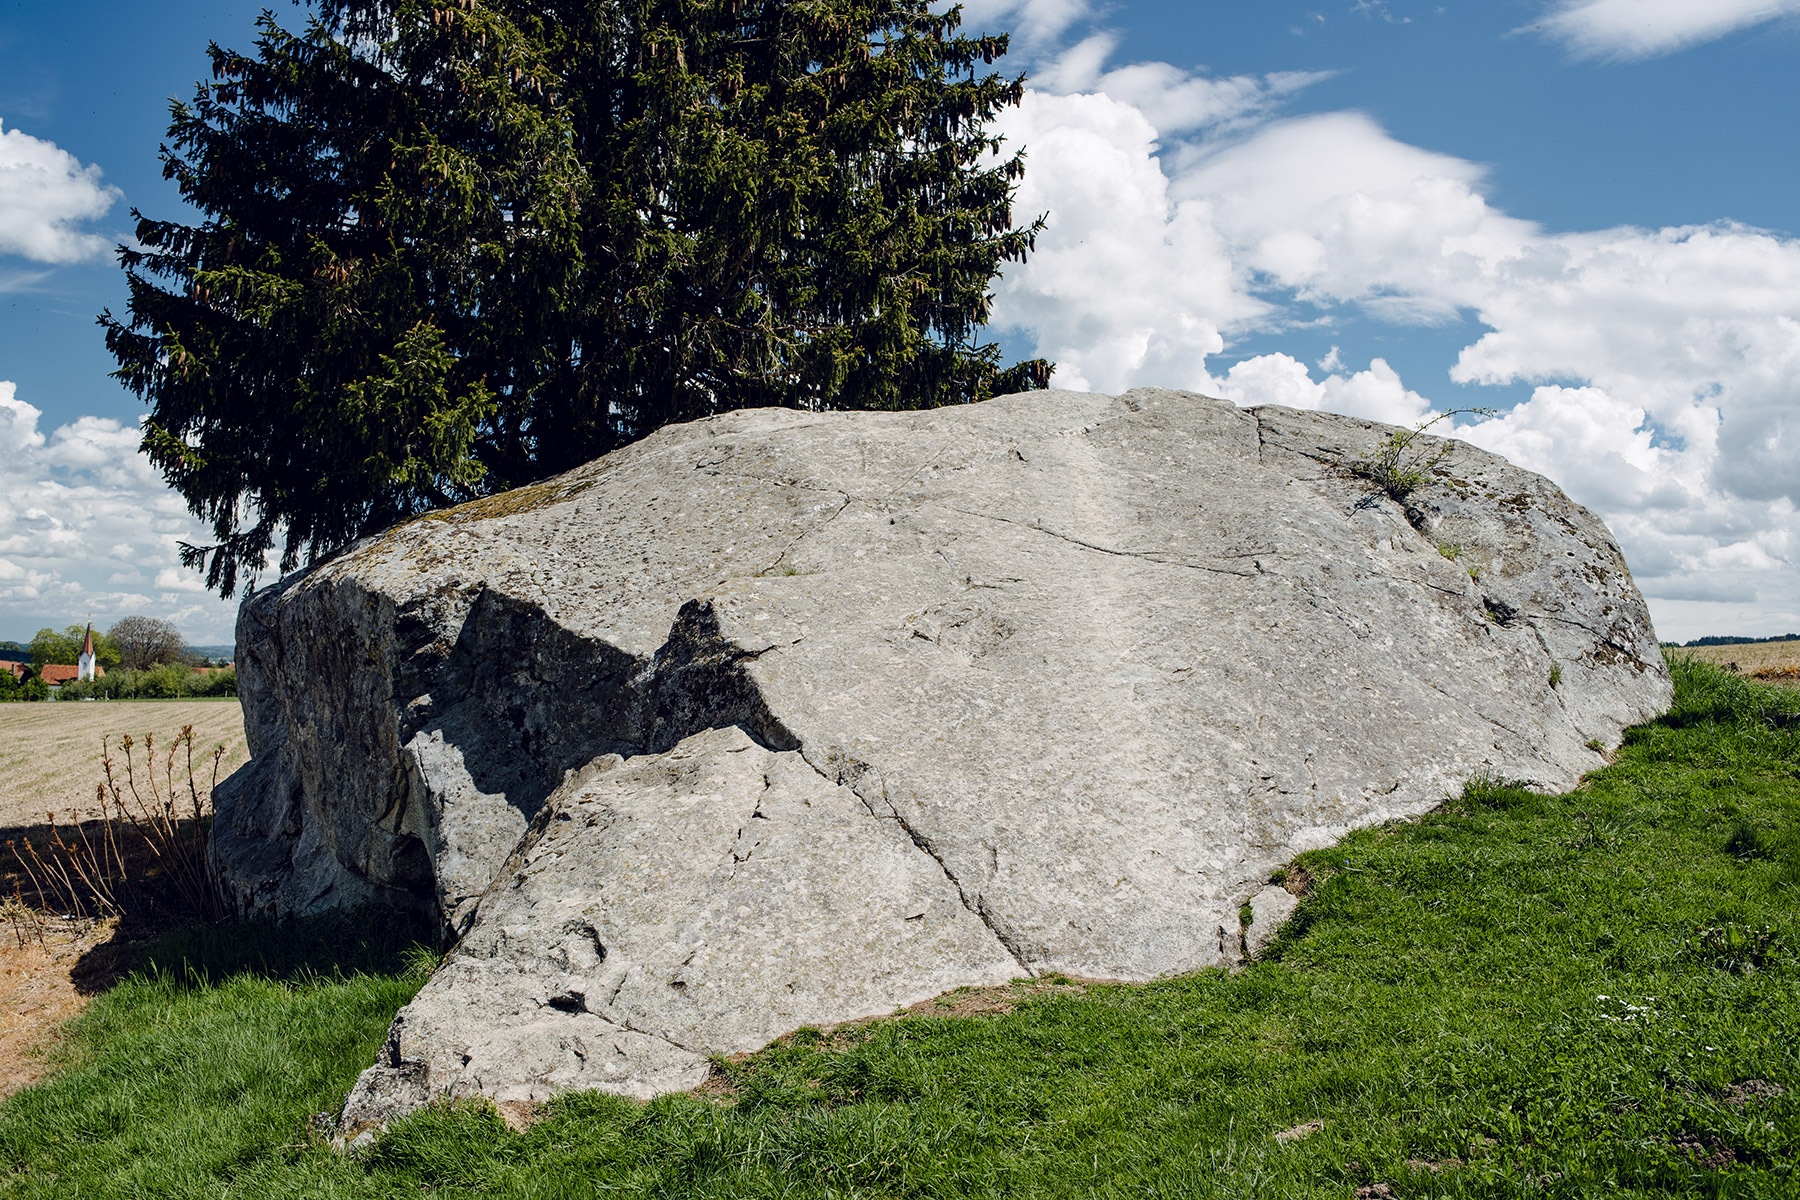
(1450, 550)
(1555, 674)
(1400, 466)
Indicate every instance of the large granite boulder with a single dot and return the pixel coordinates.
(783, 718)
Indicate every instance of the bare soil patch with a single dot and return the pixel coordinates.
(981, 1002)
(50, 752)
(41, 963)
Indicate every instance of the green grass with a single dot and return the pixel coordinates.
(1560, 993)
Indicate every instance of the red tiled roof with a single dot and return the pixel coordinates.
(55, 673)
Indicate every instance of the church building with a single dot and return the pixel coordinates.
(85, 665)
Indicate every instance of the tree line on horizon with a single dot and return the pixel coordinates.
(1729, 640)
(449, 247)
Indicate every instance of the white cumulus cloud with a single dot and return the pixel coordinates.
(46, 195)
(1645, 28)
(1375, 394)
(1125, 282)
(89, 531)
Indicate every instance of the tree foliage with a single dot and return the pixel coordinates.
(145, 642)
(451, 246)
(32, 688)
(166, 682)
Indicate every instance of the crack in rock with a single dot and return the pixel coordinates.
(1147, 555)
(850, 773)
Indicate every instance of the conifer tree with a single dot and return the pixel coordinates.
(451, 247)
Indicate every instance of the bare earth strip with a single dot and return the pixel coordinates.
(37, 991)
(50, 752)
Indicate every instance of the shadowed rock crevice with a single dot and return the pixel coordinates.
(533, 703)
(494, 722)
(696, 681)
(522, 697)
(529, 700)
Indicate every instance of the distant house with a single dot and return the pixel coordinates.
(57, 674)
(14, 667)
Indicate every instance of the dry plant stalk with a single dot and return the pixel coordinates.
(26, 922)
(89, 871)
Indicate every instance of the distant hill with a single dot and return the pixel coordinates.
(15, 652)
(1739, 641)
(225, 651)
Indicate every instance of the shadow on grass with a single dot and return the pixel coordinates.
(161, 933)
(362, 941)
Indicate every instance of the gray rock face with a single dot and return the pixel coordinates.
(784, 718)
(720, 895)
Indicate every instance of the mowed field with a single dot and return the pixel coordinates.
(50, 752)
(1769, 662)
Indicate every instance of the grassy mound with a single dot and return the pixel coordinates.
(1518, 995)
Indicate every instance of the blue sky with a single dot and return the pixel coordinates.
(1580, 212)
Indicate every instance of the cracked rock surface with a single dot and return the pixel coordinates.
(786, 718)
(622, 946)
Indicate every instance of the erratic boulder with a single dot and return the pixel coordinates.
(786, 718)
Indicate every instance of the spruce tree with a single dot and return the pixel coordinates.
(447, 250)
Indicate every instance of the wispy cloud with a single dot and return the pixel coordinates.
(1632, 29)
(21, 281)
(1175, 101)
(1378, 10)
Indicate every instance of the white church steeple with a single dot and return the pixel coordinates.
(84, 662)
